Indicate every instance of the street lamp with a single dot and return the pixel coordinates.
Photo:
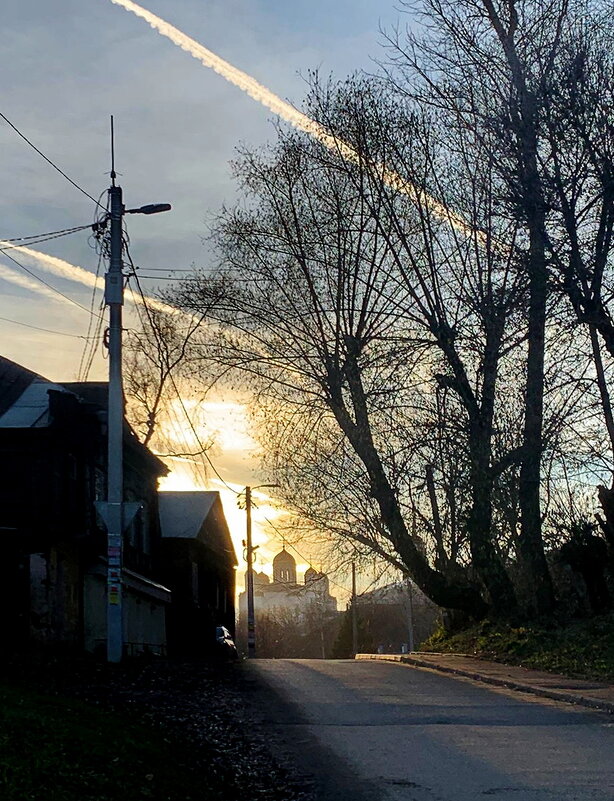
(249, 557)
(115, 511)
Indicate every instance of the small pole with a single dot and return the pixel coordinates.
(410, 616)
(354, 612)
(251, 618)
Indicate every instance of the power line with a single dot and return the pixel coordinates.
(174, 385)
(30, 242)
(49, 286)
(47, 330)
(87, 355)
(167, 278)
(47, 159)
(165, 269)
(50, 234)
(202, 453)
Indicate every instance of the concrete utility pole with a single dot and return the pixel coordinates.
(249, 558)
(114, 299)
(354, 612)
(251, 618)
(116, 514)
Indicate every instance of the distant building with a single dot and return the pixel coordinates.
(285, 592)
(199, 566)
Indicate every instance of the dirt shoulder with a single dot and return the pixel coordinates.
(81, 731)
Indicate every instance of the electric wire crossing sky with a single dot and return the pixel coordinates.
(269, 100)
(63, 269)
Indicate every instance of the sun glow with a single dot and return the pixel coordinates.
(223, 425)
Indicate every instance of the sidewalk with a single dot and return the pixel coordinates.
(546, 685)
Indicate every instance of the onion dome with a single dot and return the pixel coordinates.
(284, 568)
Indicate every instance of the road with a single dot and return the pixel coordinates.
(388, 732)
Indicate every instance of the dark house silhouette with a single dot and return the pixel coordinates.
(199, 567)
(53, 565)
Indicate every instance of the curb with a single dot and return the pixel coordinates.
(510, 684)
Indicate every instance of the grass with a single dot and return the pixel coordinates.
(63, 749)
(579, 649)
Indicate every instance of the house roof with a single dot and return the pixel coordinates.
(25, 403)
(96, 393)
(24, 398)
(195, 515)
(14, 379)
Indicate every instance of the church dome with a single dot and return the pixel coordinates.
(311, 575)
(284, 568)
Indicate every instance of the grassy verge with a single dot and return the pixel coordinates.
(580, 649)
(64, 749)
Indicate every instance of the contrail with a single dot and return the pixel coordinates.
(72, 272)
(288, 113)
(9, 274)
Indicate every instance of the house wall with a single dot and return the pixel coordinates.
(14, 597)
(144, 624)
(144, 619)
(202, 587)
(55, 608)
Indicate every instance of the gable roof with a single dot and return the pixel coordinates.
(14, 379)
(25, 402)
(24, 398)
(183, 515)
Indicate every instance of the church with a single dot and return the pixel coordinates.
(285, 592)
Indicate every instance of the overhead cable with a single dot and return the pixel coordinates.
(47, 159)
(47, 330)
(48, 285)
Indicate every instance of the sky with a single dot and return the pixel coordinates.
(67, 66)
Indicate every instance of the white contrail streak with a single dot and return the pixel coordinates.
(287, 112)
(8, 274)
(71, 272)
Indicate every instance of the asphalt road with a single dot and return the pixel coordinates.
(384, 731)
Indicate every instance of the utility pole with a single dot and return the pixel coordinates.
(410, 617)
(116, 514)
(251, 618)
(114, 299)
(354, 612)
(249, 558)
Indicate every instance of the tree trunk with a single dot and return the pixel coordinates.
(530, 543)
(531, 208)
(486, 559)
(446, 592)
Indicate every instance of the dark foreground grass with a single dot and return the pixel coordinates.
(580, 649)
(64, 749)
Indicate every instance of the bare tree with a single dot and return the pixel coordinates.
(153, 357)
(335, 276)
(534, 82)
